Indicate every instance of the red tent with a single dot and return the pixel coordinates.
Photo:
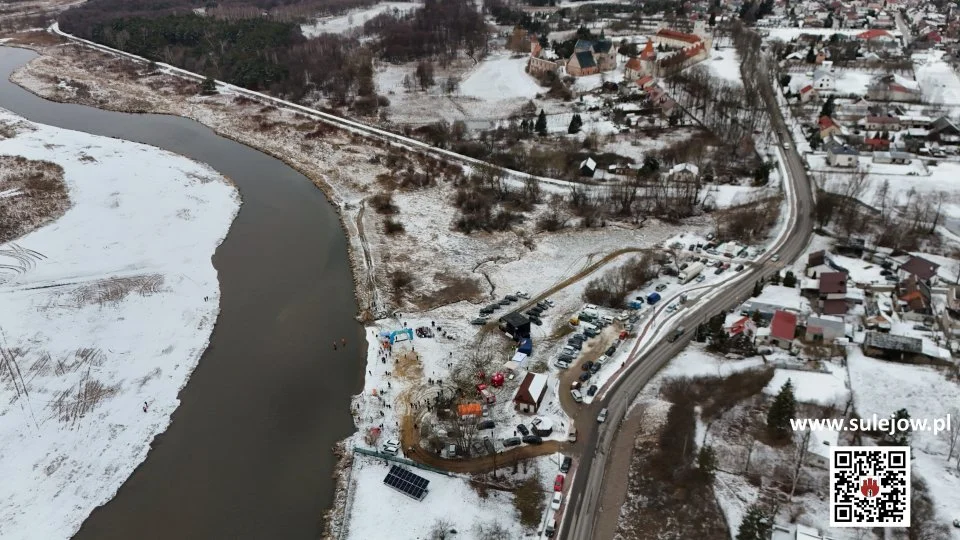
(497, 379)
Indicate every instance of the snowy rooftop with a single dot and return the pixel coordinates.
(784, 297)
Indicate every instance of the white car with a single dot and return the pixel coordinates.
(775, 258)
(562, 364)
(391, 447)
(577, 396)
(557, 499)
(602, 417)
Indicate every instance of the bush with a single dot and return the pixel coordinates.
(392, 226)
(529, 501)
(383, 203)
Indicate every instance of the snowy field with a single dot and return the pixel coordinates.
(938, 80)
(882, 388)
(500, 78)
(789, 34)
(356, 18)
(812, 387)
(378, 508)
(121, 297)
(725, 64)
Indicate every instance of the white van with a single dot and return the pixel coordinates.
(606, 319)
(551, 529)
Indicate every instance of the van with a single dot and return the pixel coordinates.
(551, 529)
(577, 396)
(572, 436)
(606, 319)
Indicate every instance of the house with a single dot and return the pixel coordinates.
(920, 268)
(591, 57)
(530, 393)
(876, 35)
(943, 130)
(515, 324)
(645, 82)
(783, 329)
(892, 347)
(881, 123)
(902, 158)
(818, 453)
(890, 87)
(825, 328)
(674, 38)
(775, 298)
(828, 127)
(684, 172)
(817, 258)
(833, 286)
(744, 325)
(807, 93)
(833, 307)
(841, 155)
(915, 296)
(588, 167)
(876, 143)
(824, 78)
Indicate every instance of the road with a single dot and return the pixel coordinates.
(585, 489)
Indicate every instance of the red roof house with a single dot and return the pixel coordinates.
(530, 393)
(645, 81)
(679, 36)
(648, 52)
(743, 325)
(874, 33)
(783, 328)
(920, 267)
(833, 285)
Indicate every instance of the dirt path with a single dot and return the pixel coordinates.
(376, 306)
(586, 271)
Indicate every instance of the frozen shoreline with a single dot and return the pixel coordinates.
(115, 315)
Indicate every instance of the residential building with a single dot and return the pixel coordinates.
(824, 78)
(590, 57)
(684, 172)
(914, 296)
(818, 455)
(841, 155)
(530, 394)
(808, 93)
(828, 127)
(775, 298)
(825, 328)
(943, 130)
(588, 167)
(881, 123)
(783, 329)
(891, 87)
(743, 325)
(892, 347)
(876, 35)
(633, 69)
(902, 158)
(920, 268)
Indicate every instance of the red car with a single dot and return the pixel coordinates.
(558, 483)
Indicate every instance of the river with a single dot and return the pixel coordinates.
(248, 452)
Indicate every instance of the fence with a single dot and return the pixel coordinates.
(402, 461)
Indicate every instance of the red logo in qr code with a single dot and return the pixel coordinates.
(870, 486)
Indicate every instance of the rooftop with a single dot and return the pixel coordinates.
(784, 325)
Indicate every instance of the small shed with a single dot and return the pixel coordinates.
(515, 324)
(588, 167)
(530, 393)
(542, 426)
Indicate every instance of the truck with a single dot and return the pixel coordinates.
(690, 272)
(653, 298)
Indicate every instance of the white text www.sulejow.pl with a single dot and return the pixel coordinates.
(874, 424)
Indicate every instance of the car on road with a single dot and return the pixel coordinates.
(671, 308)
(661, 287)
(512, 441)
(532, 439)
(556, 501)
(718, 271)
(523, 430)
(565, 464)
(479, 321)
(602, 417)
(577, 395)
(739, 268)
(676, 334)
(592, 391)
(775, 258)
(585, 376)
(572, 436)
(786, 146)
(558, 483)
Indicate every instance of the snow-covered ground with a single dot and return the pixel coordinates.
(725, 64)
(812, 386)
(500, 78)
(114, 310)
(791, 33)
(938, 80)
(356, 18)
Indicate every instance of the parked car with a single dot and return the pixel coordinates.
(562, 364)
(576, 344)
(511, 297)
(486, 424)
(710, 236)
(592, 391)
(543, 305)
(692, 247)
(521, 294)
(479, 321)
(564, 357)
(775, 258)
(504, 302)
(610, 350)
(660, 287)
(572, 435)
(391, 447)
(550, 529)
(585, 376)
(532, 439)
(575, 385)
(718, 271)
(577, 395)
(595, 368)
(700, 278)
(512, 441)
(591, 333)
(739, 267)
(523, 430)
(725, 266)
(557, 499)
(602, 417)
(565, 464)
(586, 365)
(485, 311)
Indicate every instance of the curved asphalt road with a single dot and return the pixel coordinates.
(581, 507)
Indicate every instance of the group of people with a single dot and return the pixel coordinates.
(343, 343)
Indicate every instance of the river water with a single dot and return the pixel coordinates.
(248, 453)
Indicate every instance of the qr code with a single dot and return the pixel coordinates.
(870, 486)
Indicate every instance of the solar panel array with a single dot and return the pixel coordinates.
(407, 482)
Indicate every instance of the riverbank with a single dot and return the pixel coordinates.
(428, 271)
(107, 311)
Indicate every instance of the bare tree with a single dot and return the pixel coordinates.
(803, 446)
(954, 434)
